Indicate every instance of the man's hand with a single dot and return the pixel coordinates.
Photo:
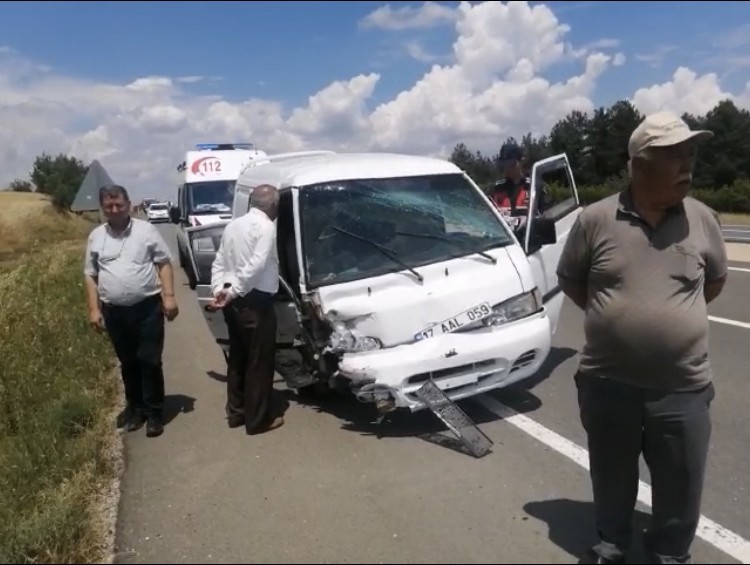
(96, 320)
(221, 300)
(169, 306)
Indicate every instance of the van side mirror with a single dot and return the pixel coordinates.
(174, 215)
(543, 233)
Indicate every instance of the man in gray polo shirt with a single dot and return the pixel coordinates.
(643, 265)
(130, 290)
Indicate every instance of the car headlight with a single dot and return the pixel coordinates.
(515, 309)
(344, 340)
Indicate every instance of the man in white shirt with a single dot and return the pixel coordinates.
(244, 280)
(130, 291)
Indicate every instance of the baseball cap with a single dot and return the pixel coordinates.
(663, 129)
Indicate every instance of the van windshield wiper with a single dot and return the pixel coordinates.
(447, 240)
(384, 250)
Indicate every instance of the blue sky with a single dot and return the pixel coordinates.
(287, 51)
(265, 60)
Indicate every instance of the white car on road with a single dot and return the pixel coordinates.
(158, 212)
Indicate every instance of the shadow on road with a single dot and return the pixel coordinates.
(364, 419)
(572, 527)
(557, 356)
(217, 376)
(176, 404)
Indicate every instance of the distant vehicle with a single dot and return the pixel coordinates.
(158, 212)
(206, 190)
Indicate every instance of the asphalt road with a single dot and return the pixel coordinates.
(736, 233)
(331, 487)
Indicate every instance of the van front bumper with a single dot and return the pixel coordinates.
(461, 364)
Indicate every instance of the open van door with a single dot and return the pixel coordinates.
(548, 227)
(203, 244)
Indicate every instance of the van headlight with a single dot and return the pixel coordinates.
(344, 340)
(202, 244)
(515, 309)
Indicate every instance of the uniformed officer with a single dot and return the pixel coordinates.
(511, 194)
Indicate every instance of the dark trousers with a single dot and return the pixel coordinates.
(137, 334)
(672, 430)
(251, 321)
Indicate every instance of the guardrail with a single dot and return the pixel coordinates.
(736, 233)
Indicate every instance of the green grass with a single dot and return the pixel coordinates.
(735, 219)
(57, 393)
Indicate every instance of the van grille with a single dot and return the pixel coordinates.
(488, 365)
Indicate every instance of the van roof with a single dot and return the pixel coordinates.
(314, 169)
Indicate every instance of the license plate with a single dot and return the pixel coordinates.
(475, 314)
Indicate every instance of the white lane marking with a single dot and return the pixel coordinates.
(720, 537)
(729, 322)
(739, 269)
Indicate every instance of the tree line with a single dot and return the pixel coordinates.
(597, 147)
(60, 177)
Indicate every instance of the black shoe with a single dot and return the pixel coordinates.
(155, 427)
(135, 421)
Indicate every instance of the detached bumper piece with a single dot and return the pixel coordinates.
(456, 419)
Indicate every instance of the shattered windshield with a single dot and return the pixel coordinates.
(213, 197)
(364, 228)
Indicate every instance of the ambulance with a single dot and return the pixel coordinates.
(205, 193)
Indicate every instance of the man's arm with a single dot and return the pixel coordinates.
(717, 266)
(254, 260)
(574, 266)
(712, 290)
(218, 269)
(162, 258)
(91, 282)
(166, 274)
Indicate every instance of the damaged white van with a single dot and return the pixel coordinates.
(398, 269)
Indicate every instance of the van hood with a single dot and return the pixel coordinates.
(393, 308)
(208, 219)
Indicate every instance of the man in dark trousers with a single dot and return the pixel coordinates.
(130, 290)
(244, 279)
(643, 264)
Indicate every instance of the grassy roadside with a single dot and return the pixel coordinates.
(735, 219)
(57, 396)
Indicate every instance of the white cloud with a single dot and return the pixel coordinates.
(735, 38)
(686, 92)
(657, 56)
(493, 85)
(429, 14)
(417, 51)
(605, 43)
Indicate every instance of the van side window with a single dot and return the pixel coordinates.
(555, 194)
